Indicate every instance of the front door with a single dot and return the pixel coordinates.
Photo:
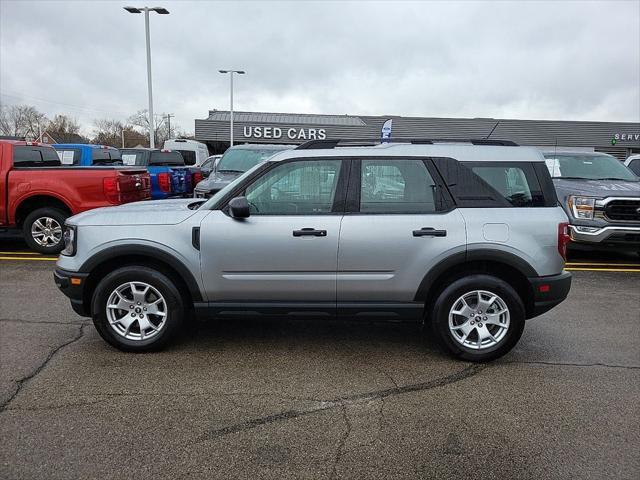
(398, 225)
(285, 253)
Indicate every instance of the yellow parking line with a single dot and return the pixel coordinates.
(589, 264)
(604, 269)
(20, 253)
(48, 259)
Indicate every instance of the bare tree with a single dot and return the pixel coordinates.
(22, 121)
(65, 130)
(113, 132)
(141, 120)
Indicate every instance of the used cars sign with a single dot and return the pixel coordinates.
(291, 133)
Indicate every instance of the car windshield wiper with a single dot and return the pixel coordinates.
(226, 170)
(572, 178)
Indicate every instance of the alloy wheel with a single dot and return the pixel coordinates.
(136, 311)
(479, 319)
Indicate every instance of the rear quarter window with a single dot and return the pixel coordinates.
(498, 184)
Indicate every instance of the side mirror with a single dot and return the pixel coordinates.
(239, 207)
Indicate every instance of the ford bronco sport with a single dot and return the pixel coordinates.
(467, 238)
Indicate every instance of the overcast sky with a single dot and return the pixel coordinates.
(534, 60)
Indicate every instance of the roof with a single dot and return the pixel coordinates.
(462, 152)
(286, 118)
(261, 146)
(575, 152)
(79, 145)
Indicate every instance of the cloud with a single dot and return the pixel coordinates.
(544, 60)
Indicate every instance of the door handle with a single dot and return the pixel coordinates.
(429, 232)
(309, 232)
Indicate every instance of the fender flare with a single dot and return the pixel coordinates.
(496, 256)
(145, 251)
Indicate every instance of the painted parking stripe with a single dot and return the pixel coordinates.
(45, 259)
(572, 269)
(590, 264)
(20, 253)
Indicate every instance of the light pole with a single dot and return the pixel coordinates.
(169, 115)
(231, 72)
(146, 10)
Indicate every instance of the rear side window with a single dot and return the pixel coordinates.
(33, 156)
(396, 186)
(497, 184)
(105, 155)
(166, 158)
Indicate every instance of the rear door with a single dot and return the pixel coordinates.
(399, 223)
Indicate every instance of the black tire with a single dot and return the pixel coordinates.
(57, 215)
(445, 302)
(175, 308)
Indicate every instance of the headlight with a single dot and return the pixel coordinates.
(582, 207)
(70, 240)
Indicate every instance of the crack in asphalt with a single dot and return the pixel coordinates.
(569, 364)
(357, 398)
(20, 383)
(45, 322)
(342, 443)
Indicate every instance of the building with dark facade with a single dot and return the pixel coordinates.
(617, 138)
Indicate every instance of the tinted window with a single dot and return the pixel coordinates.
(242, 159)
(105, 155)
(33, 156)
(166, 158)
(396, 186)
(189, 156)
(295, 188)
(634, 166)
(589, 167)
(515, 182)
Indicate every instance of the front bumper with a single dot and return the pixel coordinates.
(601, 235)
(548, 292)
(72, 285)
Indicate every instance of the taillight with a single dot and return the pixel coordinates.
(195, 178)
(563, 239)
(111, 189)
(164, 182)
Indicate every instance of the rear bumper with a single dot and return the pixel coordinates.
(549, 292)
(74, 289)
(619, 235)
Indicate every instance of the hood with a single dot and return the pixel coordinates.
(217, 180)
(155, 212)
(596, 188)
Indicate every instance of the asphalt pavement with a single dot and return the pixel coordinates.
(308, 399)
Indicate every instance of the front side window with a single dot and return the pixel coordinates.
(295, 188)
(396, 186)
(588, 167)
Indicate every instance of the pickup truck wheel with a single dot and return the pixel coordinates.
(137, 309)
(43, 230)
(478, 318)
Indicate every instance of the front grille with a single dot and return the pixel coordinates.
(623, 210)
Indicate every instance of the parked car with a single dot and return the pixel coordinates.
(38, 194)
(601, 197)
(209, 165)
(235, 161)
(467, 238)
(169, 175)
(87, 154)
(193, 152)
(633, 164)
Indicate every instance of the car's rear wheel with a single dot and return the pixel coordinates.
(42, 230)
(137, 309)
(478, 318)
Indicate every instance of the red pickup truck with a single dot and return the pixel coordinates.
(37, 194)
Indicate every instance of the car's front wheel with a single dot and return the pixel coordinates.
(478, 318)
(137, 309)
(43, 230)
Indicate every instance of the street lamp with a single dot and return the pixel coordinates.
(231, 72)
(146, 10)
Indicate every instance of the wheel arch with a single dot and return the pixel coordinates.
(110, 259)
(506, 266)
(33, 202)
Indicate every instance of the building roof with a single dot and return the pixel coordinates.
(287, 118)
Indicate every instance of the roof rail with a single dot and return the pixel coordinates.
(369, 142)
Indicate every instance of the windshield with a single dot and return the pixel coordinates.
(212, 203)
(241, 159)
(588, 167)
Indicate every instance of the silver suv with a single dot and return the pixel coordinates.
(467, 238)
